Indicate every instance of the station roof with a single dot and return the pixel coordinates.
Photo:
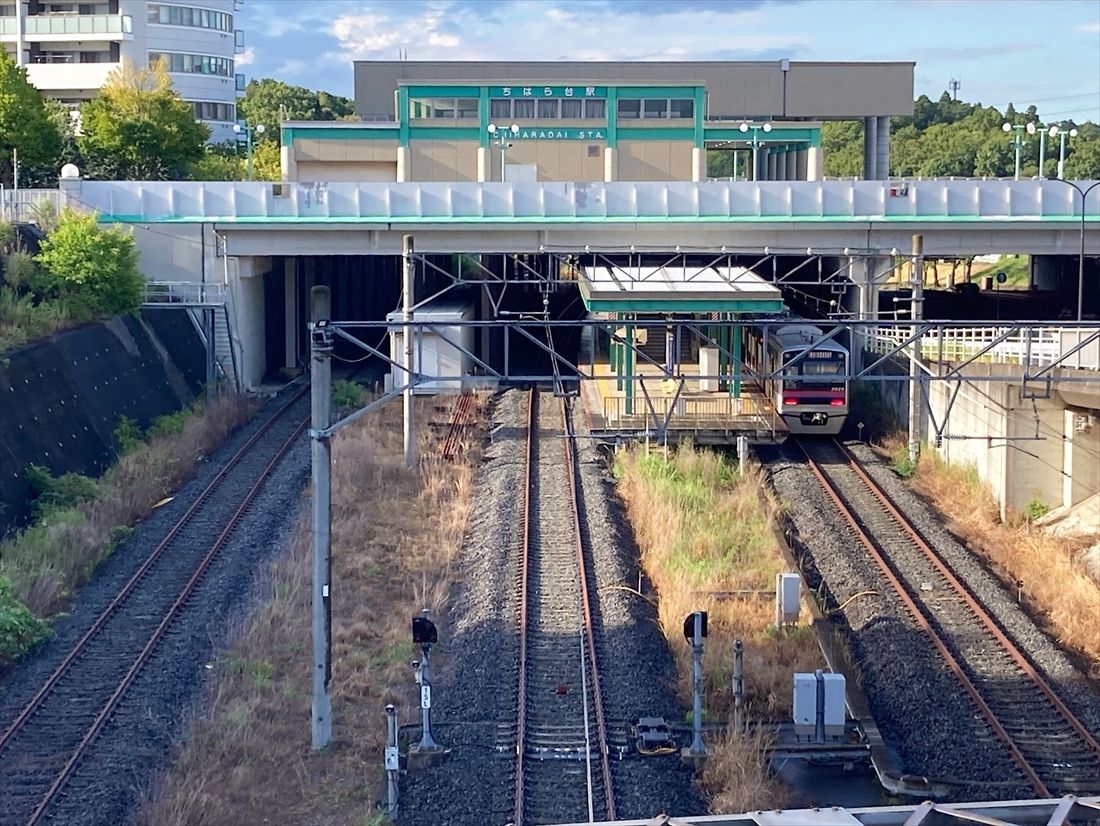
(676, 288)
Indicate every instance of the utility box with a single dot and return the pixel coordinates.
(805, 704)
(834, 704)
(434, 352)
(787, 587)
(708, 366)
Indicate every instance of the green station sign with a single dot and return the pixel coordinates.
(571, 134)
(576, 91)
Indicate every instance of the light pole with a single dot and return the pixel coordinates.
(1084, 193)
(1018, 142)
(756, 142)
(259, 129)
(1054, 130)
(501, 135)
(1043, 131)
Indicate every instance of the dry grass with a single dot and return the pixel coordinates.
(705, 533)
(736, 776)
(48, 560)
(1056, 585)
(396, 535)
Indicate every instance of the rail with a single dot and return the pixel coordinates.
(1031, 347)
(689, 412)
(183, 294)
(1023, 752)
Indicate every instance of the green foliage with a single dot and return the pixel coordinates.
(268, 102)
(1036, 509)
(170, 424)
(20, 630)
(19, 269)
(7, 238)
(25, 124)
(904, 466)
(90, 267)
(53, 493)
(215, 165)
(347, 394)
(954, 138)
(21, 319)
(257, 672)
(128, 435)
(139, 128)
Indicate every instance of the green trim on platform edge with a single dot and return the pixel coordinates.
(1073, 222)
(301, 133)
(656, 133)
(448, 133)
(660, 305)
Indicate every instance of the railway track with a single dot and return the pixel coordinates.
(1054, 751)
(461, 417)
(52, 734)
(563, 770)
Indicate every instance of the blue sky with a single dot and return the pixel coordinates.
(1046, 53)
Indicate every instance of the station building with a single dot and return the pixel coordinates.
(597, 121)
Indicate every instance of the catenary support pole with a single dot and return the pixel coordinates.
(738, 686)
(697, 747)
(321, 396)
(392, 763)
(916, 306)
(407, 338)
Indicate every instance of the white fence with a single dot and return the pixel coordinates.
(1033, 347)
(22, 204)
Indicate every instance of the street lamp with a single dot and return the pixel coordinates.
(1019, 141)
(1054, 130)
(1043, 131)
(501, 135)
(756, 142)
(1084, 193)
(259, 129)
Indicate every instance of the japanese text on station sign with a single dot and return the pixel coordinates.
(548, 91)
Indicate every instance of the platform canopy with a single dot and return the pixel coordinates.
(676, 288)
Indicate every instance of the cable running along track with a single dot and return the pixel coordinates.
(1055, 752)
(47, 740)
(563, 770)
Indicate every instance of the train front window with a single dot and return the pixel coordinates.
(823, 367)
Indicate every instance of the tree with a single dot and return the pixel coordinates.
(139, 128)
(25, 125)
(270, 101)
(89, 268)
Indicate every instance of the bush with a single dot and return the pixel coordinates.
(1035, 509)
(54, 493)
(171, 424)
(347, 394)
(86, 266)
(128, 435)
(19, 269)
(20, 630)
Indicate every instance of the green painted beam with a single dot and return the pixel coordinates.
(443, 91)
(299, 133)
(656, 133)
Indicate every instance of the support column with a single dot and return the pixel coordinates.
(407, 301)
(882, 147)
(404, 158)
(735, 383)
(791, 157)
(771, 160)
(870, 145)
(628, 369)
(610, 164)
(815, 164)
(290, 301)
(917, 305)
(321, 448)
(211, 357)
(482, 164)
(698, 164)
(288, 163)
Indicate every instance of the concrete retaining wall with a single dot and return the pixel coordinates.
(61, 399)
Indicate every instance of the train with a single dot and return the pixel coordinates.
(811, 394)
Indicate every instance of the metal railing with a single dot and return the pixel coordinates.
(1033, 347)
(688, 412)
(21, 204)
(69, 24)
(183, 294)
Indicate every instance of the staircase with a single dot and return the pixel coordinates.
(223, 347)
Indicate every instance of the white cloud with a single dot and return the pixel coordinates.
(1092, 27)
(245, 58)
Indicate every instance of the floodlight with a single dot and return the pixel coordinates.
(1031, 128)
(70, 171)
(767, 127)
(514, 129)
(260, 128)
(492, 128)
(1073, 134)
(237, 128)
(1006, 127)
(744, 127)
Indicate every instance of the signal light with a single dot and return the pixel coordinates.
(836, 402)
(790, 401)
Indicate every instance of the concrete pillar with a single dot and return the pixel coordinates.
(698, 164)
(290, 301)
(288, 163)
(882, 147)
(611, 163)
(870, 144)
(791, 157)
(770, 165)
(404, 159)
(815, 164)
(482, 164)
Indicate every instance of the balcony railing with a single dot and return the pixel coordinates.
(39, 25)
(1068, 347)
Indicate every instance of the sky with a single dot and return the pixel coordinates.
(1001, 50)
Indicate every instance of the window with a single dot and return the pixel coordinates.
(571, 108)
(681, 108)
(524, 108)
(630, 109)
(443, 108)
(593, 150)
(210, 110)
(654, 108)
(500, 108)
(595, 109)
(194, 63)
(548, 109)
(466, 108)
(164, 14)
(420, 108)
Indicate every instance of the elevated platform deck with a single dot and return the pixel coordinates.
(688, 412)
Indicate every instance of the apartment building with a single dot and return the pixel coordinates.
(69, 49)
